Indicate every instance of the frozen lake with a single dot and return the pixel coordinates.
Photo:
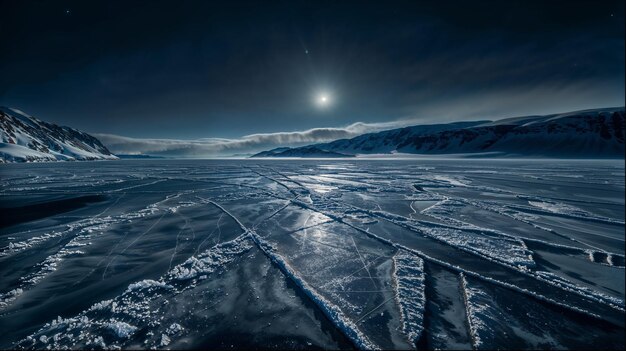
(313, 254)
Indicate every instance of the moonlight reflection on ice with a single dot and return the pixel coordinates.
(182, 254)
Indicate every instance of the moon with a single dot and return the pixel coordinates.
(323, 100)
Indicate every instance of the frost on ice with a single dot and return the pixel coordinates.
(409, 278)
(350, 242)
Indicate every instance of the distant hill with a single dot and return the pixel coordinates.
(138, 156)
(27, 139)
(311, 152)
(597, 133)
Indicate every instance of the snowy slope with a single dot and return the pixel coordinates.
(588, 133)
(592, 133)
(27, 139)
(387, 141)
(272, 152)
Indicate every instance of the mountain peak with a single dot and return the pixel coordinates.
(27, 139)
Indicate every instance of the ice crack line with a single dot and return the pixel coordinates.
(494, 281)
(332, 312)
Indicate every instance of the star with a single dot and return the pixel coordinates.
(67, 11)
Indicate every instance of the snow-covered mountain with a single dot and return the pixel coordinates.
(597, 133)
(28, 139)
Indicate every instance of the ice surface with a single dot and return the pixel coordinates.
(298, 254)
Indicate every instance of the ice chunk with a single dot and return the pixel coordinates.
(165, 340)
(175, 328)
(147, 284)
(121, 329)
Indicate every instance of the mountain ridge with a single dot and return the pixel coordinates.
(585, 133)
(307, 151)
(25, 138)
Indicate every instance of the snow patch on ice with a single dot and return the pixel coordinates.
(454, 181)
(209, 261)
(478, 311)
(564, 210)
(121, 329)
(409, 279)
(148, 284)
(589, 293)
(133, 309)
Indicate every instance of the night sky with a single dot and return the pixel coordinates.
(204, 69)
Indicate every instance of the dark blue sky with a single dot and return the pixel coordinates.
(196, 69)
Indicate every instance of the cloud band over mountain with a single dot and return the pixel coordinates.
(211, 147)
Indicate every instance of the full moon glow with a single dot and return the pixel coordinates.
(323, 100)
